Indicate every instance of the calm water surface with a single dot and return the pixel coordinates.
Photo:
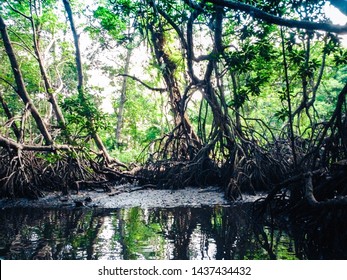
(136, 233)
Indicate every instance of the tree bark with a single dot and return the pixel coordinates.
(175, 98)
(80, 77)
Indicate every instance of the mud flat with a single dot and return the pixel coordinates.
(130, 197)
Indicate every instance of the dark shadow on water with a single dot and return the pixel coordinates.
(160, 233)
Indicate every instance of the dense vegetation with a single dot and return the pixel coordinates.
(247, 95)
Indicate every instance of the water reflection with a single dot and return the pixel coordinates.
(135, 233)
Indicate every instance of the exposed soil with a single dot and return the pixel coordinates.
(130, 196)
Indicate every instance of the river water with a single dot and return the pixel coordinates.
(153, 233)
(137, 233)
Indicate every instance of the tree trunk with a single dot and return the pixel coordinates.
(175, 98)
(80, 77)
(48, 87)
(80, 87)
(123, 97)
(21, 89)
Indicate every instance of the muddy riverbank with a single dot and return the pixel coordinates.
(128, 197)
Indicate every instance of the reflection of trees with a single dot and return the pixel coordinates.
(46, 234)
(320, 234)
(184, 223)
(233, 235)
(177, 233)
(230, 229)
(306, 234)
(138, 236)
(64, 234)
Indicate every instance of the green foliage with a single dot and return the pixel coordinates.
(248, 74)
(332, 45)
(297, 57)
(83, 115)
(111, 22)
(152, 133)
(282, 114)
(340, 58)
(51, 158)
(142, 123)
(138, 233)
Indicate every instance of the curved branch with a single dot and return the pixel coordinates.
(9, 84)
(17, 11)
(25, 48)
(24, 45)
(174, 26)
(142, 83)
(258, 13)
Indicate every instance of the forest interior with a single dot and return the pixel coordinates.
(246, 95)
